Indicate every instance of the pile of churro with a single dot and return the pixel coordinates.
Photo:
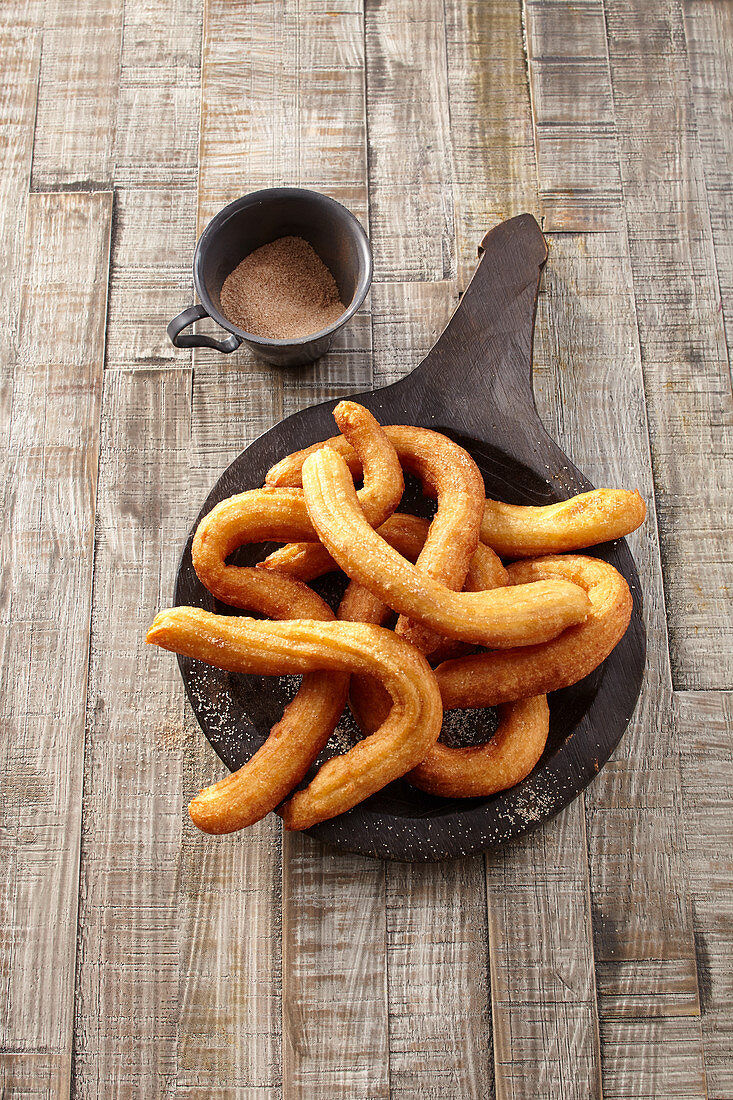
(495, 609)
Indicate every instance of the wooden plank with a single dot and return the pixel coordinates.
(709, 36)
(541, 984)
(684, 356)
(335, 1032)
(587, 369)
(128, 976)
(156, 140)
(150, 278)
(48, 522)
(78, 95)
(572, 110)
(20, 51)
(671, 1066)
(30, 1076)
(286, 69)
(542, 979)
(491, 125)
(439, 1022)
(706, 721)
(410, 195)
(230, 981)
(19, 61)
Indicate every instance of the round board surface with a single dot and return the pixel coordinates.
(401, 822)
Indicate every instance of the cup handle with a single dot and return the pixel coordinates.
(183, 320)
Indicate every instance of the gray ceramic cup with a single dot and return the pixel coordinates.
(247, 224)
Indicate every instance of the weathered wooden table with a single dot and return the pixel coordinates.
(142, 959)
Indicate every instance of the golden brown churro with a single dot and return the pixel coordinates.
(518, 531)
(502, 762)
(263, 514)
(407, 535)
(303, 646)
(305, 561)
(446, 472)
(520, 615)
(255, 516)
(382, 473)
(490, 679)
(486, 679)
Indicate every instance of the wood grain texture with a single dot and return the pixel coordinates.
(410, 192)
(28, 1076)
(709, 36)
(644, 945)
(282, 101)
(492, 140)
(20, 50)
(542, 976)
(438, 954)
(682, 341)
(407, 319)
(572, 110)
(78, 95)
(150, 276)
(20, 53)
(128, 973)
(157, 126)
(48, 533)
(335, 1025)
(706, 722)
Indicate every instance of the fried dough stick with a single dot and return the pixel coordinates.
(486, 679)
(520, 615)
(502, 762)
(263, 514)
(304, 646)
(446, 472)
(519, 531)
(512, 530)
(484, 769)
(305, 561)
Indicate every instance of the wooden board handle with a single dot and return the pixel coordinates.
(488, 340)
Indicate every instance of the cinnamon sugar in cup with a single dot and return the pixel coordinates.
(264, 218)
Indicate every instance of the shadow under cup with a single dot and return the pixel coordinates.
(257, 219)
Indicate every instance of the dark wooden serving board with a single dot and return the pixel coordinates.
(475, 385)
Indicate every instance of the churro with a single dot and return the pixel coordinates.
(446, 472)
(486, 679)
(520, 531)
(304, 646)
(406, 534)
(245, 796)
(305, 561)
(490, 679)
(502, 762)
(502, 617)
(263, 514)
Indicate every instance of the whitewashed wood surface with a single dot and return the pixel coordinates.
(139, 958)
